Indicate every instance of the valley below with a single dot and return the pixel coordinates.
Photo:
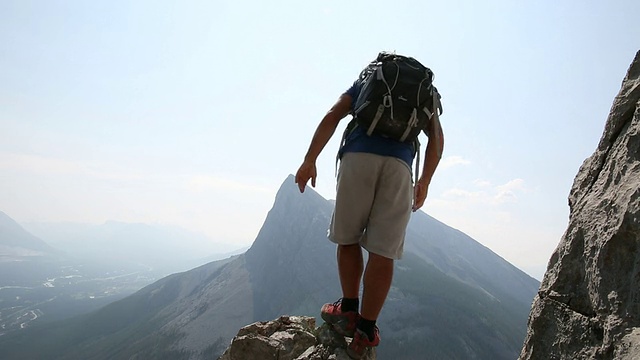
(36, 290)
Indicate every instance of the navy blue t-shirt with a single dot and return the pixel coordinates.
(359, 141)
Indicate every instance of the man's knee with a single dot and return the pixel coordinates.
(349, 250)
(380, 259)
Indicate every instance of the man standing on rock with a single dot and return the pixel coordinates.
(392, 101)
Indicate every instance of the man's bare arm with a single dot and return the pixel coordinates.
(432, 155)
(321, 137)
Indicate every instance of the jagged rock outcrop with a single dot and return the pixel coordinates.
(588, 305)
(289, 338)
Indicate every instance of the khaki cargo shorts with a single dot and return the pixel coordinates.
(373, 203)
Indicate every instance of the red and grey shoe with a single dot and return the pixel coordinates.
(343, 322)
(361, 342)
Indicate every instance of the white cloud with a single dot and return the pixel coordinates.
(505, 197)
(507, 193)
(451, 161)
(464, 194)
(488, 195)
(512, 185)
(481, 183)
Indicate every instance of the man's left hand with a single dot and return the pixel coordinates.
(306, 171)
(420, 191)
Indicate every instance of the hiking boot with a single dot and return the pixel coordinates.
(343, 322)
(361, 343)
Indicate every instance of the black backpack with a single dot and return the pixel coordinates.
(397, 97)
(396, 100)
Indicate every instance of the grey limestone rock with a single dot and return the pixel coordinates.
(289, 338)
(588, 305)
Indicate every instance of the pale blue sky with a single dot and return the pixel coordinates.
(192, 113)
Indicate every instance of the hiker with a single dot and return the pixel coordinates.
(375, 190)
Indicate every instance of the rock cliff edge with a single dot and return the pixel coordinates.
(289, 338)
(588, 305)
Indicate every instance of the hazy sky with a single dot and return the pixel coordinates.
(193, 113)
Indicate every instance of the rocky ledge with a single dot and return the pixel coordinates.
(289, 338)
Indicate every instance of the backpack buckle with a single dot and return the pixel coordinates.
(387, 101)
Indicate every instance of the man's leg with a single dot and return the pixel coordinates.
(350, 266)
(377, 281)
(343, 314)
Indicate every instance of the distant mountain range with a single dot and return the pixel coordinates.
(451, 298)
(152, 245)
(89, 266)
(15, 241)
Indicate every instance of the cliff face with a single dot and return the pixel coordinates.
(588, 305)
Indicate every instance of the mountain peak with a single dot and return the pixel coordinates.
(290, 201)
(290, 188)
(14, 235)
